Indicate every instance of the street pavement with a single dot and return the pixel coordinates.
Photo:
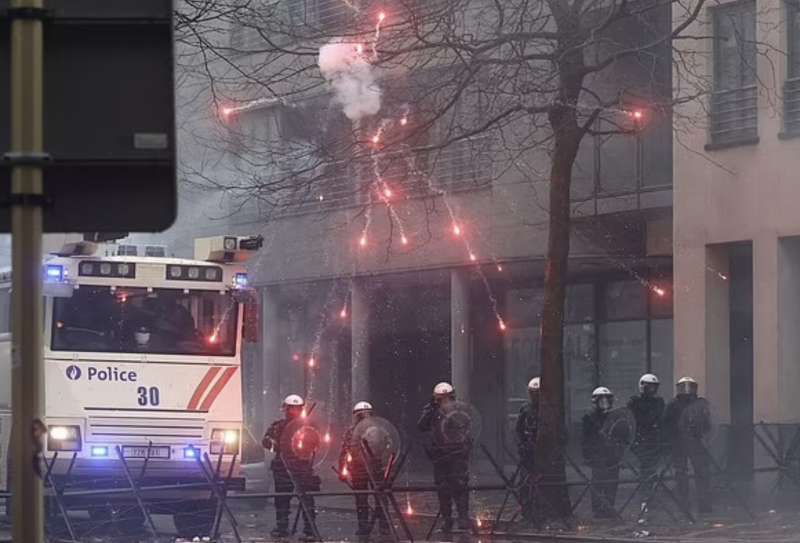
(776, 520)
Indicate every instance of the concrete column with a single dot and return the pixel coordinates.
(715, 382)
(766, 378)
(460, 363)
(270, 352)
(788, 338)
(702, 322)
(359, 342)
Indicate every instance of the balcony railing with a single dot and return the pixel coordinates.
(791, 106)
(734, 116)
(462, 165)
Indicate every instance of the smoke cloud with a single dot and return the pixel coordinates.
(348, 72)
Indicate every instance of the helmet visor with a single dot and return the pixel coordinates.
(686, 388)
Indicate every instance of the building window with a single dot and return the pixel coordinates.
(791, 91)
(733, 102)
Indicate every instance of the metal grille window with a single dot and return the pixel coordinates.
(791, 90)
(734, 101)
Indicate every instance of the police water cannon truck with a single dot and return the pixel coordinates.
(142, 359)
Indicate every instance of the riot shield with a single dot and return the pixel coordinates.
(619, 431)
(379, 437)
(697, 421)
(459, 424)
(303, 441)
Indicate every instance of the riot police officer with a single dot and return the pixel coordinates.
(600, 455)
(687, 421)
(648, 410)
(450, 460)
(526, 430)
(353, 466)
(286, 465)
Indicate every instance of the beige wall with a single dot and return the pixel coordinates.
(743, 193)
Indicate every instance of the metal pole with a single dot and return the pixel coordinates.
(26, 229)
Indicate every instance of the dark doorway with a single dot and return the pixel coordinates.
(740, 443)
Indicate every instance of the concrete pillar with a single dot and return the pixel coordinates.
(702, 322)
(788, 338)
(460, 363)
(359, 342)
(766, 376)
(270, 351)
(715, 383)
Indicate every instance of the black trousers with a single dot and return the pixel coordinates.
(605, 478)
(451, 476)
(365, 523)
(283, 483)
(692, 451)
(648, 456)
(528, 491)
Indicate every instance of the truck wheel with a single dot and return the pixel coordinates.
(195, 519)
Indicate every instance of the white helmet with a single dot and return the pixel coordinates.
(601, 391)
(443, 389)
(534, 384)
(603, 399)
(647, 379)
(362, 406)
(686, 385)
(293, 400)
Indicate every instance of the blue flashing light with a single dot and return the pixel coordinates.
(54, 272)
(98, 450)
(240, 279)
(190, 452)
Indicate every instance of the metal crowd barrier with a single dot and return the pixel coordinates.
(784, 454)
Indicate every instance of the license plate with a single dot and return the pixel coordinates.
(145, 452)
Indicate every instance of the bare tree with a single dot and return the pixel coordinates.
(484, 81)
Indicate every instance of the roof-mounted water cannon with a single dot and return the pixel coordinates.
(227, 248)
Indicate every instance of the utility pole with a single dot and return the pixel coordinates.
(26, 158)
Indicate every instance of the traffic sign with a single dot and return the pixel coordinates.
(109, 116)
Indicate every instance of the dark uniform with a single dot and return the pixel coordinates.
(685, 437)
(450, 467)
(601, 457)
(647, 445)
(351, 458)
(284, 463)
(526, 430)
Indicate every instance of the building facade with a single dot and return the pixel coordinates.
(350, 314)
(737, 226)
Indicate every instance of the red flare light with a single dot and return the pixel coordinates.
(501, 324)
(303, 414)
(300, 444)
(456, 230)
(473, 257)
(345, 471)
(409, 509)
(343, 313)
(381, 16)
(387, 192)
(637, 114)
(348, 458)
(478, 522)
(376, 138)
(312, 362)
(213, 338)
(659, 291)
(359, 48)
(363, 241)
(403, 121)
(226, 111)
(327, 437)
(296, 357)
(499, 268)
(404, 240)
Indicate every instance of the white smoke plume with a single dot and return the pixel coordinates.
(351, 76)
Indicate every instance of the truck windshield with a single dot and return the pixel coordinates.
(135, 320)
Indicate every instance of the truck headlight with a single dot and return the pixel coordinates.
(64, 438)
(224, 441)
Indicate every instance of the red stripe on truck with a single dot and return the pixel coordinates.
(217, 388)
(201, 388)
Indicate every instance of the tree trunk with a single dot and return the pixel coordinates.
(551, 437)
